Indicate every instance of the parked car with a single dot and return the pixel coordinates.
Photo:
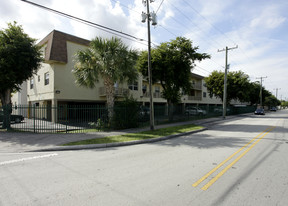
(259, 111)
(14, 118)
(195, 111)
(220, 110)
(144, 113)
(273, 109)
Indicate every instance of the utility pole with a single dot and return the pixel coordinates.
(277, 91)
(261, 79)
(225, 78)
(150, 17)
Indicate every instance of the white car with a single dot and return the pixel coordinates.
(195, 111)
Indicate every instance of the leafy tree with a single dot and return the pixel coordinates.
(172, 63)
(108, 59)
(271, 101)
(254, 93)
(20, 58)
(284, 103)
(238, 85)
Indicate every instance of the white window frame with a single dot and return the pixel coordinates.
(46, 78)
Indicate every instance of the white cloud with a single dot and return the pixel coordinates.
(257, 27)
(268, 19)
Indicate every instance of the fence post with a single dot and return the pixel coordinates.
(66, 119)
(34, 120)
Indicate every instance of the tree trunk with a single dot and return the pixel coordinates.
(110, 95)
(7, 108)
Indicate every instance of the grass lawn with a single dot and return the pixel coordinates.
(139, 136)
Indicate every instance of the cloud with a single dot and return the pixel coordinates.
(257, 27)
(270, 18)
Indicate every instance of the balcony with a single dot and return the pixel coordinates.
(118, 92)
(195, 98)
(197, 85)
(155, 95)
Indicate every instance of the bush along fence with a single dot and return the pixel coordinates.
(89, 118)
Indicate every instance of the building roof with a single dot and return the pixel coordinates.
(197, 76)
(56, 50)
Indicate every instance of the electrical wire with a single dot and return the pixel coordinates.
(217, 29)
(203, 69)
(89, 23)
(159, 6)
(209, 22)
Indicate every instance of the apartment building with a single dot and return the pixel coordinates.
(54, 83)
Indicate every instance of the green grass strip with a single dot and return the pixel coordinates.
(138, 136)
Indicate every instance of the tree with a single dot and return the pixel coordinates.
(172, 63)
(20, 58)
(238, 85)
(284, 104)
(271, 101)
(254, 93)
(109, 59)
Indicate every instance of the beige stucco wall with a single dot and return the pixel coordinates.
(207, 99)
(65, 80)
(20, 97)
(40, 91)
(62, 80)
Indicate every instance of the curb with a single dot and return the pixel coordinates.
(118, 144)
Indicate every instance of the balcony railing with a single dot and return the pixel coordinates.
(195, 98)
(155, 95)
(197, 86)
(119, 92)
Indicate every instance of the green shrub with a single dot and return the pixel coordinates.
(126, 114)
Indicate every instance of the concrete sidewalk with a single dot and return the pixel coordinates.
(24, 142)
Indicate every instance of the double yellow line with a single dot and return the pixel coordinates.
(214, 179)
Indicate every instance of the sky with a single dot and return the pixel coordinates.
(259, 29)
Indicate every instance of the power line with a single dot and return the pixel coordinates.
(209, 22)
(159, 6)
(203, 69)
(89, 23)
(189, 18)
(216, 28)
(185, 26)
(179, 22)
(168, 30)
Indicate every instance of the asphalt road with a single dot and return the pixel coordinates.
(242, 161)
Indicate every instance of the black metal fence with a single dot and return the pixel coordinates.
(89, 118)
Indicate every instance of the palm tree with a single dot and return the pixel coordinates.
(108, 59)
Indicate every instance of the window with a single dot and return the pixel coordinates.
(192, 93)
(38, 78)
(157, 89)
(204, 94)
(144, 89)
(31, 83)
(133, 86)
(46, 77)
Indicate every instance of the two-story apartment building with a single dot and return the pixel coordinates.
(54, 83)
